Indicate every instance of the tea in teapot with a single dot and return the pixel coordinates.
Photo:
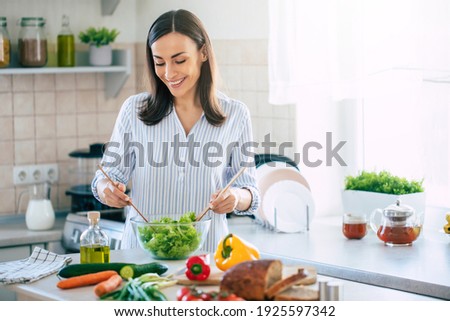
(400, 225)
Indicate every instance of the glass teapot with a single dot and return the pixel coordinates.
(40, 214)
(400, 225)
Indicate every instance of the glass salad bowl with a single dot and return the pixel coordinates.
(171, 237)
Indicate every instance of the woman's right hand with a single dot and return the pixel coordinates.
(111, 194)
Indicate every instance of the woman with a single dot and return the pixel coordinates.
(183, 141)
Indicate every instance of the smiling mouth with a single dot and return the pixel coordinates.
(175, 84)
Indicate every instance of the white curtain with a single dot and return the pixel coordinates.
(373, 72)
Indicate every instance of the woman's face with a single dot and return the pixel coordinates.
(178, 63)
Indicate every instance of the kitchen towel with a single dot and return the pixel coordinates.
(40, 264)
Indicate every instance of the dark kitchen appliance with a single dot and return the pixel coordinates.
(82, 173)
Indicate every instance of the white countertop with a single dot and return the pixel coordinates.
(45, 289)
(14, 232)
(423, 268)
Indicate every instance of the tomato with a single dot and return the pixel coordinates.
(229, 297)
(205, 296)
(191, 297)
(182, 292)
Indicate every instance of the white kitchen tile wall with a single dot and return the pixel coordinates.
(65, 102)
(22, 83)
(24, 127)
(44, 103)
(45, 126)
(7, 154)
(5, 83)
(44, 82)
(86, 101)
(86, 81)
(47, 151)
(6, 107)
(6, 128)
(6, 179)
(23, 103)
(24, 152)
(65, 81)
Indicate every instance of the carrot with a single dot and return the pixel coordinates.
(108, 286)
(86, 279)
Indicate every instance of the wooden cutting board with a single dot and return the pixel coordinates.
(216, 276)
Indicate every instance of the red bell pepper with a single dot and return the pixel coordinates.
(197, 268)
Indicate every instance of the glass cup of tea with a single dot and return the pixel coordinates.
(354, 226)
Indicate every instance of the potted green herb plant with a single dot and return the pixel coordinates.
(99, 41)
(368, 191)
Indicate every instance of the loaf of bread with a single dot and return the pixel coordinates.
(251, 279)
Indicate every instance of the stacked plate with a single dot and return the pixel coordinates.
(287, 204)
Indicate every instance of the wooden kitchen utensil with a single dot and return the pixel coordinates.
(114, 184)
(200, 216)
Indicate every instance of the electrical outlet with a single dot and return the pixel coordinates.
(50, 172)
(20, 175)
(39, 173)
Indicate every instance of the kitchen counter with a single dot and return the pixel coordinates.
(45, 289)
(14, 232)
(423, 268)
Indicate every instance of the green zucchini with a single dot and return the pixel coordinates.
(86, 268)
(136, 270)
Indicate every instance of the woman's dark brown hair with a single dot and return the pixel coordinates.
(159, 103)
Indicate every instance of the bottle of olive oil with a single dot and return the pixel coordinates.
(94, 243)
(66, 45)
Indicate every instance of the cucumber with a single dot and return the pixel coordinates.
(85, 268)
(136, 270)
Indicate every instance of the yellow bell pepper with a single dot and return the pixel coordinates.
(447, 228)
(233, 250)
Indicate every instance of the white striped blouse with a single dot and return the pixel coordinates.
(172, 172)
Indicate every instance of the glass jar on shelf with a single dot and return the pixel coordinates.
(5, 44)
(32, 42)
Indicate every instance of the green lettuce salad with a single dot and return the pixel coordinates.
(175, 241)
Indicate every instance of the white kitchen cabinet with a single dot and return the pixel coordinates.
(115, 75)
(14, 253)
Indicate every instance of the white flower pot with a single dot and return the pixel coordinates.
(364, 203)
(100, 56)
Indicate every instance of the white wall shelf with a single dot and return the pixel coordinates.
(115, 75)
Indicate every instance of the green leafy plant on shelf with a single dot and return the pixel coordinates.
(383, 182)
(98, 36)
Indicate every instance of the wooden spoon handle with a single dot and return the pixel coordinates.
(200, 216)
(114, 184)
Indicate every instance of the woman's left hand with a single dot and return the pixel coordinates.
(225, 203)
